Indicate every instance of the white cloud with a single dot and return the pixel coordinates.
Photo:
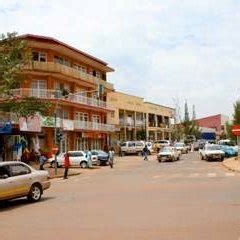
(158, 48)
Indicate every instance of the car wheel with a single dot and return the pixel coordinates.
(35, 193)
(159, 160)
(222, 158)
(83, 164)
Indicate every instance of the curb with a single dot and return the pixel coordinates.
(61, 176)
(230, 168)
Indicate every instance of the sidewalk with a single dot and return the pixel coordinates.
(232, 164)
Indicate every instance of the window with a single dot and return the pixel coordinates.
(4, 172)
(80, 68)
(75, 154)
(96, 118)
(81, 116)
(131, 144)
(62, 61)
(112, 114)
(39, 56)
(19, 169)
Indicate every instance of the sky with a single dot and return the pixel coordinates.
(167, 51)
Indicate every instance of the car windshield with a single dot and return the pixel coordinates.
(212, 147)
(165, 149)
(179, 145)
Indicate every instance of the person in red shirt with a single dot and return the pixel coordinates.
(66, 165)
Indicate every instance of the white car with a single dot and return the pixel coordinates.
(181, 147)
(77, 158)
(17, 179)
(211, 152)
(168, 154)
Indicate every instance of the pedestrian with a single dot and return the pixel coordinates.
(89, 158)
(66, 165)
(42, 160)
(145, 153)
(111, 157)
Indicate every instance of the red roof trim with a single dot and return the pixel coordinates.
(50, 39)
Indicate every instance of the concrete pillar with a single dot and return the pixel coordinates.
(147, 131)
(135, 127)
(124, 125)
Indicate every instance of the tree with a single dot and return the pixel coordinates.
(236, 114)
(14, 55)
(236, 120)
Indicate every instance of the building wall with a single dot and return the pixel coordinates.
(216, 122)
(66, 74)
(132, 107)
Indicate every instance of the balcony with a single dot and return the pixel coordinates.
(85, 125)
(57, 95)
(53, 67)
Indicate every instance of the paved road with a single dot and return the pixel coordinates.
(188, 199)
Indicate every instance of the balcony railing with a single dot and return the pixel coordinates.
(55, 94)
(68, 71)
(85, 125)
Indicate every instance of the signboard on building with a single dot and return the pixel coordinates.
(30, 124)
(5, 127)
(67, 125)
(236, 130)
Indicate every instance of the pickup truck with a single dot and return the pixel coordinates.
(211, 152)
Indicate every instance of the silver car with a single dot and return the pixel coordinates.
(17, 179)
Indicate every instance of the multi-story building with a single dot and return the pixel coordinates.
(215, 122)
(76, 84)
(136, 119)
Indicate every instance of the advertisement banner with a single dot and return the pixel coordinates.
(30, 124)
(5, 127)
(67, 125)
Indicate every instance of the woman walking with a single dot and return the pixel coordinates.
(66, 165)
(111, 157)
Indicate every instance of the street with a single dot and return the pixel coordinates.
(186, 199)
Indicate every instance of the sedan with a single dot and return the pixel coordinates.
(181, 147)
(77, 158)
(168, 154)
(17, 179)
(102, 156)
(229, 151)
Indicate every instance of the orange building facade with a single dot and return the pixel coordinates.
(76, 85)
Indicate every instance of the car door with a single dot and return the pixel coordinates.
(6, 187)
(73, 158)
(21, 178)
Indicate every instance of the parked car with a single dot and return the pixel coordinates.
(77, 158)
(17, 179)
(229, 151)
(102, 156)
(181, 147)
(168, 154)
(230, 143)
(160, 144)
(132, 147)
(211, 152)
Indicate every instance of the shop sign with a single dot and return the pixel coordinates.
(5, 127)
(67, 125)
(50, 122)
(30, 124)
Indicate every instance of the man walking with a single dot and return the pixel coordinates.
(42, 160)
(111, 157)
(89, 158)
(145, 153)
(66, 165)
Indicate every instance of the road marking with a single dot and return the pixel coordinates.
(192, 175)
(230, 174)
(211, 174)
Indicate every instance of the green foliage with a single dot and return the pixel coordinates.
(236, 114)
(14, 55)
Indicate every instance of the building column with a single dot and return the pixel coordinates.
(147, 133)
(135, 127)
(125, 127)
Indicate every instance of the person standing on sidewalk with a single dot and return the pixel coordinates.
(89, 158)
(145, 153)
(42, 160)
(66, 165)
(111, 157)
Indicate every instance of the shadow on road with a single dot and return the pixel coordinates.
(18, 203)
